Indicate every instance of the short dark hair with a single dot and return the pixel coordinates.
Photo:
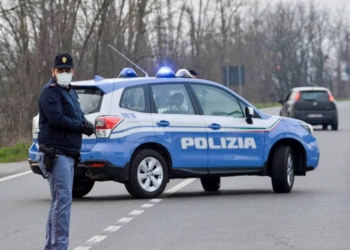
(192, 72)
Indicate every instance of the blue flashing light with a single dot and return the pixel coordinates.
(98, 78)
(127, 72)
(183, 73)
(165, 72)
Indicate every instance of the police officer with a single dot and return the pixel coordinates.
(61, 124)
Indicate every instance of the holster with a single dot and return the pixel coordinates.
(49, 158)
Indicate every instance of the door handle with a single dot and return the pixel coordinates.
(163, 123)
(214, 126)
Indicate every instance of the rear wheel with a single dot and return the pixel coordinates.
(335, 126)
(283, 170)
(82, 185)
(211, 184)
(325, 126)
(148, 175)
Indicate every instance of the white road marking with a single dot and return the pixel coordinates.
(125, 219)
(15, 176)
(179, 186)
(156, 200)
(97, 238)
(112, 229)
(147, 205)
(136, 212)
(82, 248)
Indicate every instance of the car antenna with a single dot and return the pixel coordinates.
(128, 59)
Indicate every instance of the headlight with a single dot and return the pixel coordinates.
(308, 127)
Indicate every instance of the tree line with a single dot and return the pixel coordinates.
(281, 45)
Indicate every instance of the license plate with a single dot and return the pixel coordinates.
(315, 115)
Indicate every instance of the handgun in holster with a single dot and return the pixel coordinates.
(49, 158)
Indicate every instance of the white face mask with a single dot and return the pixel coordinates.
(64, 79)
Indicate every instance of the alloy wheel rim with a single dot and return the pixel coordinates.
(150, 174)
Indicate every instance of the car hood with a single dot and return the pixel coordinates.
(290, 120)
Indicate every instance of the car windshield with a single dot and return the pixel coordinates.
(90, 100)
(314, 95)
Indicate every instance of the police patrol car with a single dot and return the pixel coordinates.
(152, 129)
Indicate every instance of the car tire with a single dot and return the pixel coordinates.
(335, 126)
(282, 176)
(324, 126)
(81, 186)
(211, 184)
(148, 175)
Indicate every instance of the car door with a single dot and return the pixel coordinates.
(232, 143)
(178, 128)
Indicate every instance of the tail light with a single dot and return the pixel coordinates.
(35, 126)
(297, 96)
(330, 97)
(105, 125)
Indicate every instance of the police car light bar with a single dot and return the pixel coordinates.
(127, 72)
(104, 125)
(165, 72)
(183, 73)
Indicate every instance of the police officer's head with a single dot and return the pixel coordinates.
(63, 69)
(193, 73)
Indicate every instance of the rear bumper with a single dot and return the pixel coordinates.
(312, 117)
(34, 166)
(107, 172)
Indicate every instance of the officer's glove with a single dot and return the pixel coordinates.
(88, 128)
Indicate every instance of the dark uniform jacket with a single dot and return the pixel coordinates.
(60, 118)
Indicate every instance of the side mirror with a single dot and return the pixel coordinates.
(249, 114)
(281, 101)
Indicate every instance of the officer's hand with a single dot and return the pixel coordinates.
(88, 128)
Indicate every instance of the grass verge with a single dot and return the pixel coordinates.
(18, 152)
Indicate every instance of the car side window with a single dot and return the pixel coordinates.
(171, 99)
(216, 101)
(134, 99)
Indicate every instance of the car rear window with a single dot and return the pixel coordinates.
(314, 95)
(90, 99)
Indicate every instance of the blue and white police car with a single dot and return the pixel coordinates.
(149, 130)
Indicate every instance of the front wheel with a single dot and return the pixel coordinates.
(82, 185)
(283, 170)
(148, 175)
(211, 184)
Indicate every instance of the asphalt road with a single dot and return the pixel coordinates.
(244, 214)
